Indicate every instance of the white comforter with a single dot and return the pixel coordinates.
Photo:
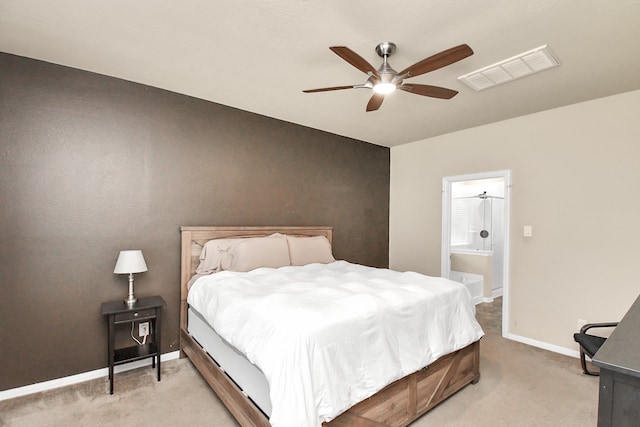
(329, 336)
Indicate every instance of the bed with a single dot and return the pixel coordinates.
(243, 388)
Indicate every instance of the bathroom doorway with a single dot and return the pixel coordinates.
(475, 235)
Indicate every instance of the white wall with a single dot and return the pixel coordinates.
(576, 178)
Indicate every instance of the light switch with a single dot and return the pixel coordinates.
(528, 231)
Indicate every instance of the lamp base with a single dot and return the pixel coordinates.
(131, 300)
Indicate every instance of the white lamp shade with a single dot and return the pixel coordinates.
(130, 262)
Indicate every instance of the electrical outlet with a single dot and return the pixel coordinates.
(143, 329)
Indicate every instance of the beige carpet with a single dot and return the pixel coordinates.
(520, 386)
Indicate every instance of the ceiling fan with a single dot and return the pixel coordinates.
(385, 79)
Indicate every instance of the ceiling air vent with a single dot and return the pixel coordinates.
(524, 64)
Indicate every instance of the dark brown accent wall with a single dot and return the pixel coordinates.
(91, 165)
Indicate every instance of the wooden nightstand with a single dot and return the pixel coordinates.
(118, 312)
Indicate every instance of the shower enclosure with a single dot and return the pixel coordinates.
(476, 222)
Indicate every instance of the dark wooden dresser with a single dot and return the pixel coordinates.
(619, 363)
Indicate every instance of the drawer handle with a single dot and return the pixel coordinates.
(135, 314)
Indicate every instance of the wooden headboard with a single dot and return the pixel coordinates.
(194, 238)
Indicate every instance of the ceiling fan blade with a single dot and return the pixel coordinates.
(326, 89)
(354, 59)
(375, 102)
(427, 90)
(438, 60)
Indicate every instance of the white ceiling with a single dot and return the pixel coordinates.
(259, 55)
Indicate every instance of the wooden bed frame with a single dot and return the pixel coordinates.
(398, 404)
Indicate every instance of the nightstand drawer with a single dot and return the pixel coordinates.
(134, 315)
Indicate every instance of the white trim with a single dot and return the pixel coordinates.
(544, 345)
(506, 286)
(471, 252)
(478, 300)
(445, 250)
(78, 378)
(495, 293)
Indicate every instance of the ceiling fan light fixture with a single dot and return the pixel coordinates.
(384, 88)
(385, 79)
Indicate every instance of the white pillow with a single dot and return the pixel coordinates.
(250, 253)
(308, 250)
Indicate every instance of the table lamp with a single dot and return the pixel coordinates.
(130, 262)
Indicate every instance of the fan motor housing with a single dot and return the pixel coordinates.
(385, 49)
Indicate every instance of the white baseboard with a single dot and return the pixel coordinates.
(99, 373)
(78, 378)
(494, 294)
(544, 345)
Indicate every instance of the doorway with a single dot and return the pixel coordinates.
(475, 235)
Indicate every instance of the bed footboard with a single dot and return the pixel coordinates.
(405, 400)
(397, 405)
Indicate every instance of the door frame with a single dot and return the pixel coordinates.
(445, 263)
